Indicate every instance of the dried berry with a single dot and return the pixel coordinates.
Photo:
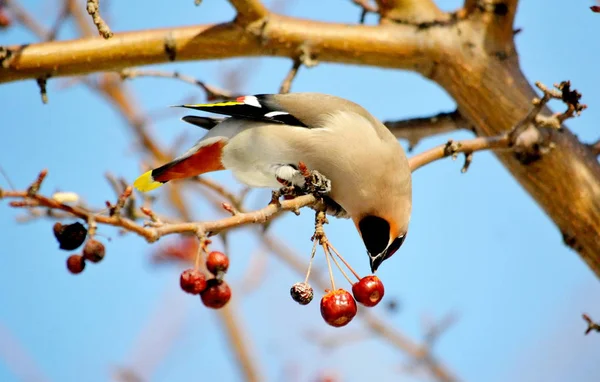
(216, 295)
(192, 281)
(75, 264)
(302, 293)
(70, 236)
(368, 291)
(217, 262)
(338, 308)
(93, 251)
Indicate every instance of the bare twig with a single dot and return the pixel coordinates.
(212, 92)
(287, 81)
(152, 234)
(452, 148)
(591, 324)
(62, 17)
(24, 18)
(415, 129)
(93, 8)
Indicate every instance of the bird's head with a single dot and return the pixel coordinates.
(381, 236)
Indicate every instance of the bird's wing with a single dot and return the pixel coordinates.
(259, 107)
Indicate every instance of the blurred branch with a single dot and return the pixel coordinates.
(415, 129)
(591, 324)
(25, 19)
(17, 359)
(212, 92)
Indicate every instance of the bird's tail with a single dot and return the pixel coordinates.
(202, 158)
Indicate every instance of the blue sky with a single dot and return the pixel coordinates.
(479, 245)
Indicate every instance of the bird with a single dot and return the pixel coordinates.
(263, 138)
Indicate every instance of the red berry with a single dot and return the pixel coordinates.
(192, 281)
(216, 294)
(75, 264)
(217, 262)
(368, 291)
(93, 251)
(338, 308)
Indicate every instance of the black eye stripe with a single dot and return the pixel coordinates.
(375, 233)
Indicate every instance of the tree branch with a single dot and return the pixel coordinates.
(249, 11)
(408, 11)
(415, 129)
(212, 92)
(400, 47)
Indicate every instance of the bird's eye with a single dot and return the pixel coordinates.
(394, 246)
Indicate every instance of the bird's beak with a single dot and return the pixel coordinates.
(375, 261)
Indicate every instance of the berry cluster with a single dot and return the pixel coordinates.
(72, 236)
(214, 292)
(338, 306)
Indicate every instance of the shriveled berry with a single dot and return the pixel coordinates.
(70, 236)
(75, 264)
(93, 251)
(216, 295)
(368, 291)
(302, 293)
(192, 281)
(338, 308)
(217, 262)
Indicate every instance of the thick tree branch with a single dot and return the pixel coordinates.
(249, 11)
(415, 129)
(403, 46)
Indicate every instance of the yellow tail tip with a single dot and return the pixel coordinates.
(145, 182)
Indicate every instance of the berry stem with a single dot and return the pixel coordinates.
(344, 261)
(330, 270)
(201, 250)
(326, 249)
(312, 257)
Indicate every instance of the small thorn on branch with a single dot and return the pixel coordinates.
(592, 326)
(93, 9)
(42, 82)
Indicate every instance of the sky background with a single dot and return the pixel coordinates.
(479, 246)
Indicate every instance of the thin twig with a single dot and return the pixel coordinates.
(287, 81)
(212, 92)
(416, 129)
(591, 324)
(93, 8)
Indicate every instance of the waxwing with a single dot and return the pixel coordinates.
(267, 135)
